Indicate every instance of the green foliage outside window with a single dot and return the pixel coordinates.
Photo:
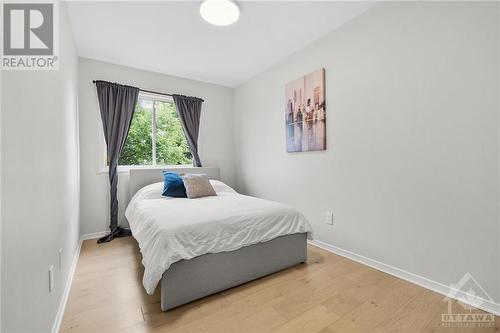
(171, 147)
(171, 144)
(138, 149)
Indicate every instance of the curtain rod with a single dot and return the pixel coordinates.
(152, 92)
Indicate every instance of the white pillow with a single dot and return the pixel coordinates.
(198, 186)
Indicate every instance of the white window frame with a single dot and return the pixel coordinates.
(104, 168)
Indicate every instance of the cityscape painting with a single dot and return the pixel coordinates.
(305, 113)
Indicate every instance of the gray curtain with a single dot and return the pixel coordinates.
(117, 104)
(189, 109)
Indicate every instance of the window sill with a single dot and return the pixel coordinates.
(127, 168)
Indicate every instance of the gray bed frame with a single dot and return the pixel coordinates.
(189, 280)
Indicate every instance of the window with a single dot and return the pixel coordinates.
(155, 136)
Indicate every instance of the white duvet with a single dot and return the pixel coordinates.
(172, 229)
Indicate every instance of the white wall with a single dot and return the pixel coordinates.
(1, 215)
(411, 169)
(215, 140)
(498, 156)
(40, 187)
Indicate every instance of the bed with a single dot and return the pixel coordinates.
(193, 248)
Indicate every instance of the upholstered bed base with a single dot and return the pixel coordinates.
(189, 280)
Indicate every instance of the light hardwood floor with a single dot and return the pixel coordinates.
(328, 294)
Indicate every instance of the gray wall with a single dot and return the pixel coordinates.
(40, 187)
(411, 169)
(215, 141)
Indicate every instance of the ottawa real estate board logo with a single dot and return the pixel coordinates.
(30, 35)
(465, 313)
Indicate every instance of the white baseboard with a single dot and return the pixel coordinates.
(67, 288)
(94, 235)
(487, 305)
(71, 274)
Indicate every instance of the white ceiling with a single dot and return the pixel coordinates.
(170, 36)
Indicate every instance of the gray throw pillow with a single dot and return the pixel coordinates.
(198, 186)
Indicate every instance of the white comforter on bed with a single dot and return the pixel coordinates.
(172, 229)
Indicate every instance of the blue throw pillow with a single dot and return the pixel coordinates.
(173, 186)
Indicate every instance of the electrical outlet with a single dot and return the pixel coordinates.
(329, 218)
(60, 258)
(51, 278)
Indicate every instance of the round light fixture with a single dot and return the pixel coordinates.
(220, 12)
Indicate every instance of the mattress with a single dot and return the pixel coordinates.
(172, 229)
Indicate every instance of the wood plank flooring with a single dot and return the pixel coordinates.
(328, 294)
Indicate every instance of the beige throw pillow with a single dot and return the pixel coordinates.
(198, 186)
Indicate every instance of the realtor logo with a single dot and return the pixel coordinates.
(28, 29)
(29, 36)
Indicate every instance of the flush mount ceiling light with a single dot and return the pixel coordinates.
(220, 12)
